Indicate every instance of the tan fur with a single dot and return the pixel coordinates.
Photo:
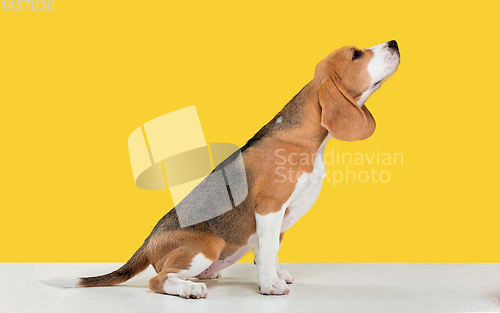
(173, 251)
(342, 82)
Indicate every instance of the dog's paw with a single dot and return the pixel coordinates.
(210, 276)
(193, 290)
(285, 275)
(273, 286)
(186, 289)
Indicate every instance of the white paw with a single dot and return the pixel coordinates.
(285, 275)
(186, 289)
(273, 286)
(211, 276)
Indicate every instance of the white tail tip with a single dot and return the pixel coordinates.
(62, 282)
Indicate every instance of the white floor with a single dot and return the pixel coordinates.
(318, 287)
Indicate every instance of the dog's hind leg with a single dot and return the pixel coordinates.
(182, 263)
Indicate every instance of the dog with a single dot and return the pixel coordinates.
(331, 105)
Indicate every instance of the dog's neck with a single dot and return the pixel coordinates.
(300, 120)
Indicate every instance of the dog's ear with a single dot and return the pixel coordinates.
(341, 115)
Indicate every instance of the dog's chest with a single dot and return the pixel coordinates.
(306, 191)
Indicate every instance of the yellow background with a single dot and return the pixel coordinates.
(75, 82)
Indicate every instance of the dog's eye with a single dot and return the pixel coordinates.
(356, 54)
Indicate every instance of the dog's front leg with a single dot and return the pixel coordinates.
(268, 232)
(282, 273)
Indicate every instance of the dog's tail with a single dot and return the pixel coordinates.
(137, 263)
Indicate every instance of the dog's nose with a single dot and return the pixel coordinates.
(393, 44)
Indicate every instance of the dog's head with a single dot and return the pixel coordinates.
(346, 78)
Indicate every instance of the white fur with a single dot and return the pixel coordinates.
(283, 274)
(268, 232)
(384, 63)
(272, 279)
(62, 282)
(176, 284)
(279, 120)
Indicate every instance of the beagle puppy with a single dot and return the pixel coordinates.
(331, 105)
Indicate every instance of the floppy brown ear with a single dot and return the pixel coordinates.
(341, 115)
